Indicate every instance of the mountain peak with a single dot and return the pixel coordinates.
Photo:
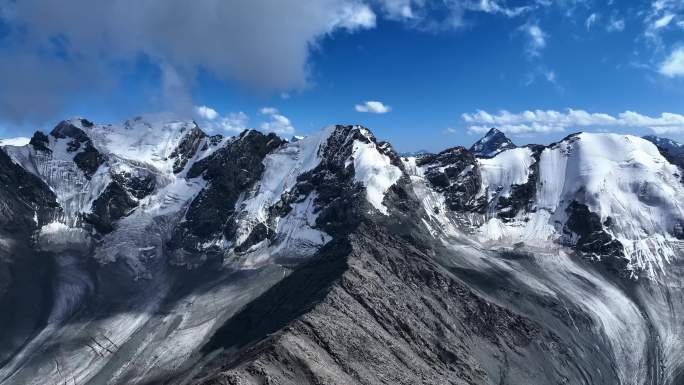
(491, 144)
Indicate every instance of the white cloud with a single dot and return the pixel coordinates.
(537, 39)
(616, 25)
(591, 20)
(278, 123)
(674, 64)
(374, 107)
(448, 14)
(492, 6)
(210, 120)
(664, 21)
(207, 113)
(268, 111)
(662, 14)
(545, 121)
(356, 16)
(550, 76)
(255, 43)
(233, 122)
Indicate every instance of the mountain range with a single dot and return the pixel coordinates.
(150, 252)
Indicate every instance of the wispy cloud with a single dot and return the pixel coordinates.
(664, 21)
(660, 17)
(536, 39)
(268, 110)
(450, 14)
(591, 20)
(616, 25)
(374, 107)
(546, 121)
(492, 6)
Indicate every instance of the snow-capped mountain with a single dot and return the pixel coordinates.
(491, 144)
(151, 252)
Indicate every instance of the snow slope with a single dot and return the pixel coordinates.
(375, 171)
(634, 190)
(20, 141)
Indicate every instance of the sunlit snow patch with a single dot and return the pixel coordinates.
(375, 171)
(17, 142)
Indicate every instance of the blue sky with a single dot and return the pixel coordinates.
(440, 72)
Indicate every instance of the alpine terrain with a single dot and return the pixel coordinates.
(150, 252)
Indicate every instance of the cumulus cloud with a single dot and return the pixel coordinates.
(373, 107)
(278, 123)
(48, 52)
(209, 119)
(673, 65)
(546, 121)
(207, 113)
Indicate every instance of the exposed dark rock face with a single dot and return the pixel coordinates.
(187, 148)
(119, 199)
(113, 204)
(522, 195)
(491, 144)
(22, 195)
(338, 197)
(593, 240)
(88, 159)
(66, 129)
(137, 185)
(40, 142)
(26, 203)
(229, 172)
(455, 173)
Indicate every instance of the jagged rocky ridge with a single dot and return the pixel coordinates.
(150, 252)
(491, 144)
